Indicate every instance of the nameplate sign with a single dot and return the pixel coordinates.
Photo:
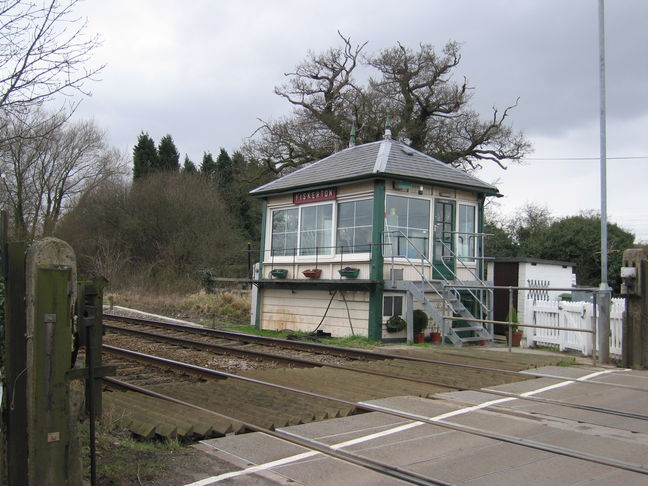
(315, 196)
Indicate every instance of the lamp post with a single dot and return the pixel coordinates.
(604, 289)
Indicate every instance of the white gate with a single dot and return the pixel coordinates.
(576, 315)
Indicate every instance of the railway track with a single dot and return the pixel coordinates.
(354, 375)
(286, 389)
(235, 425)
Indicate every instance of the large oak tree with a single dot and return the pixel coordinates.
(415, 89)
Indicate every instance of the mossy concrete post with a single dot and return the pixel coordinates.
(634, 288)
(53, 451)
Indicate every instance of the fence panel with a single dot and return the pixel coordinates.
(577, 315)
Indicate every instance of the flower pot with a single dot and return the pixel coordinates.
(279, 273)
(419, 338)
(313, 273)
(349, 272)
(516, 337)
(435, 337)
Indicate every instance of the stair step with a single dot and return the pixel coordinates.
(470, 328)
(476, 338)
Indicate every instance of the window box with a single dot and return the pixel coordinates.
(313, 273)
(279, 273)
(349, 272)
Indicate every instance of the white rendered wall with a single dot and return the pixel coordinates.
(302, 310)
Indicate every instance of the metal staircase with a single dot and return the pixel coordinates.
(449, 291)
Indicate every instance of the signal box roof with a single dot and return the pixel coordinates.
(385, 159)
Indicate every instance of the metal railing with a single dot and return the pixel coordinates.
(424, 262)
(433, 265)
(511, 324)
(452, 256)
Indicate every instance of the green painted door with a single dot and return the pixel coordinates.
(444, 248)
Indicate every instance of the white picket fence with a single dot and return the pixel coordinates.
(577, 315)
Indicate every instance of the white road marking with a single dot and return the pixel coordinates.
(393, 430)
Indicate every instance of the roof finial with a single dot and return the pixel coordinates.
(352, 137)
(388, 124)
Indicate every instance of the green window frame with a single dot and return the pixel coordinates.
(410, 217)
(303, 231)
(285, 223)
(466, 233)
(354, 226)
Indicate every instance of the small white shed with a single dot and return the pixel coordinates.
(527, 272)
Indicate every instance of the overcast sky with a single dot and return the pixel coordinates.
(204, 72)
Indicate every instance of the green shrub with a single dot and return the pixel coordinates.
(420, 321)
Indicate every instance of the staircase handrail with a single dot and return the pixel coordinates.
(457, 258)
(423, 259)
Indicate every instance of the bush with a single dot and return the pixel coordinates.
(420, 321)
(156, 234)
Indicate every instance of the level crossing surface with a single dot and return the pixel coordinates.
(457, 457)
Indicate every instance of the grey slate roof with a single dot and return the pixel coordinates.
(385, 158)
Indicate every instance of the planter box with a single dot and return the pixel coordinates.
(279, 273)
(313, 273)
(419, 338)
(353, 273)
(435, 337)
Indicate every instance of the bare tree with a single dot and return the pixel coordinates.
(44, 51)
(414, 88)
(46, 164)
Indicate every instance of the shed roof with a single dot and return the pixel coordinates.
(382, 159)
(532, 260)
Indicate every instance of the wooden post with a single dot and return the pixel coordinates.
(53, 453)
(15, 360)
(635, 323)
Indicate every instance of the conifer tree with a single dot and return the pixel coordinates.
(168, 156)
(224, 169)
(189, 167)
(208, 166)
(145, 156)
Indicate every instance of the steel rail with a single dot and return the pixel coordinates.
(397, 413)
(385, 469)
(317, 364)
(351, 353)
(242, 353)
(251, 338)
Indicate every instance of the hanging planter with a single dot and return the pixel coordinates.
(312, 273)
(349, 272)
(396, 324)
(279, 273)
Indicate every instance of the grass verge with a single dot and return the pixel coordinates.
(123, 460)
(222, 308)
(349, 342)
